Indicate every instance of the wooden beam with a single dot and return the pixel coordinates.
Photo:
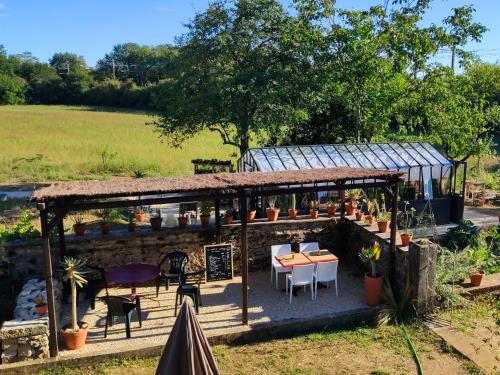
(62, 239)
(342, 204)
(58, 216)
(217, 221)
(47, 258)
(244, 258)
(394, 228)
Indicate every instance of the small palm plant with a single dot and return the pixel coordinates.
(371, 255)
(73, 272)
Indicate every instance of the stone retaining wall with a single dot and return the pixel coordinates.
(27, 335)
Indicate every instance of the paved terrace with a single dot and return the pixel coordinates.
(220, 315)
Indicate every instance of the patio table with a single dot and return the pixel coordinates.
(294, 259)
(131, 275)
(321, 256)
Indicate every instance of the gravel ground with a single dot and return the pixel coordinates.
(220, 313)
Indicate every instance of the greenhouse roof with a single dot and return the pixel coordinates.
(390, 156)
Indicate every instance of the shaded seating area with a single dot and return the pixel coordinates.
(58, 199)
(122, 307)
(177, 261)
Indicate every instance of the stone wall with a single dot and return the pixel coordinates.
(26, 336)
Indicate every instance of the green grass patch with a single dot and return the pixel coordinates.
(41, 143)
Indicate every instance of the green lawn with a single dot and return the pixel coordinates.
(42, 143)
(344, 350)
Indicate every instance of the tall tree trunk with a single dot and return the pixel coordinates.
(74, 322)
(358, 125)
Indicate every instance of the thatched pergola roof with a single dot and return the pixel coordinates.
(205, 183)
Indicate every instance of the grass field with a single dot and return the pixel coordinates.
(40, 143)
(342, 350)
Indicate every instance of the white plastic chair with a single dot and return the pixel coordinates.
(276, 267)
(301, 276)
(324, 273)
(308, 246)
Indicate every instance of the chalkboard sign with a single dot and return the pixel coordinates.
(219, 261)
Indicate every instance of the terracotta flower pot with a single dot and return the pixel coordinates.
(79, 229)
(140, 217)
(155, 223)
(360, 215)
(75, 340)
(406, 238)
(292, 214)
(314, 213)
(131, 227)
(272, 214)
(331, 210)
(370, 220)
(41, 309)
(205, 220)
(373, 289)
(228, 219)
(350, 210)
(476, 278)
(383, 226)
(183, 221)
(251, 215)
(105, 228)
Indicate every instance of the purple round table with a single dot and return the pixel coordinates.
(131, 275)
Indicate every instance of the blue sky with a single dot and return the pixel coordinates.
(91, 27)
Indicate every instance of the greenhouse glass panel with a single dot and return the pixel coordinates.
(274, 159)
(442, 160)
(311, 157)
(407, 158)
(432, 160)
(286, 158)
(372, 156)
(393, 155)
(348, 157)
(383, 156)
(336, 157)
(260, 159)
(299, 157)
(323, 156)
(419, 158)
(359, 156)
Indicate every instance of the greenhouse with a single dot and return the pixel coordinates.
(431, 179)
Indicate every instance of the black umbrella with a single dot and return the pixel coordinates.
(187, 351)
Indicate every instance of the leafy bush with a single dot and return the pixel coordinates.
(451, 267)
(22, 230)
(12, 89)
(463, 235)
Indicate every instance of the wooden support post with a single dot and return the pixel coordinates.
(62, 239)
(244, 258)
(342, 204)
(47, 257)
(217, 221)
(394, 228)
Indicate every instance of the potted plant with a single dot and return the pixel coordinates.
(228, 217)
(478, 254)
(182, 219)
(383, 217)
(476, 276)
(373, 280)
(331, 207)
(314, 209)
(360, 216)
(292, 211)
(107, 215)
(131, 223)
(40, 305)
(74, 333)
(206, 210)
(352, 201)
(272, 211)
(406, 218)
(371, 207)
(251, 215)
(156, 221)
(79, 226)
(139, 214)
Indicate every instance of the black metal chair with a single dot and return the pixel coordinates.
(178, 261)
(190, 289)
(121, 306)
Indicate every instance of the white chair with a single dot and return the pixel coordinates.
(276, 267)
(301, 276)
(308, 246)
(324, 273)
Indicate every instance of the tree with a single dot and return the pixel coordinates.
(12, 89)
(74, 74)
(237, 75)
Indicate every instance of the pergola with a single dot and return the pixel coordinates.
(56, 200)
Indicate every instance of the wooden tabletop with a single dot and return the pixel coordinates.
(294, 259)
(301, 259)
(323, 256)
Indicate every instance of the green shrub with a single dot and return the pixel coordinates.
(463, 235)
(22, 230)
